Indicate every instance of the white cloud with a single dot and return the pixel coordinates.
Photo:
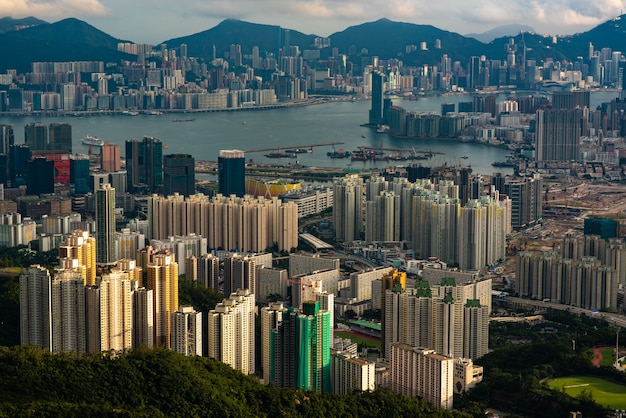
(45, 9)
(157, 20)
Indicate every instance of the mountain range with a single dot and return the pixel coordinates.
(23, 41)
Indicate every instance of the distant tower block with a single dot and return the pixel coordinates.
(231, 172)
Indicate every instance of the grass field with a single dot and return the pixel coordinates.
(608, 356)
(604, 392)
(356, 339)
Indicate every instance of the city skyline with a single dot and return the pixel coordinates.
(322, 17)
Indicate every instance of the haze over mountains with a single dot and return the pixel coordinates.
(500, 31)
(73, 39)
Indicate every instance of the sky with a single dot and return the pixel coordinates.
(154, 21)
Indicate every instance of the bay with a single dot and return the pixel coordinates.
(335, 121)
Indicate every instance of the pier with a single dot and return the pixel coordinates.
(302, 146)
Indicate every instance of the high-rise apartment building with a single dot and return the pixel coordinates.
(209, 271)
(585, 274)
(231, 174)
(271, 316)
(571, 99)
(60, 135)
(110, 157)
(36, 307)
(259, 222)
(351, 373)
(447, 318)
(186, 337)
(239, 273)
(231, 331)
(68, 312)
(105, 224)
(81, 246)
(179, 174)
(393, 280)
(144, 164)
(116, 311)
(182, 247)
(143, 318)
(476, 327)
(313, 330)
(422, 372)
(348, 208)
(162, 274)
(36, 136)
(558, 134)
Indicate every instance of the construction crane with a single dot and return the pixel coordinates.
(316, 284)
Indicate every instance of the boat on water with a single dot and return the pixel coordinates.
(338, 154)
(281, 155)
(507, 163)
(298, 150)
(183, 120)
(92, 140)
(465, 157)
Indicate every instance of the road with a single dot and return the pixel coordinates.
(611, 318)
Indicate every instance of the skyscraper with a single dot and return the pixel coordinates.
(179, 174)
(68, 312)
(116, 313)
(143, 318)
(60, 136)
(7, 138)
(558, 134)
(209, 271)
(110, 157)
(476, 329)
(376, 112)
(105, 224)
(144, 164)
(36, 307)
(186, 337)
(79, 173)
(231, 175)
(36, 136)
(313, 330)
(271, 317)
(80, 246)
(163, 281)
(19, 155)
(348, 194)
(231, 331)
(239, 273)
(39, 176)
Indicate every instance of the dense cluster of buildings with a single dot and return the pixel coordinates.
(117, 288)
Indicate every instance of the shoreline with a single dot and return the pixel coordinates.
(162, 112)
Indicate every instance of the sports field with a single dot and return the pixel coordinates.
(603, 391)
(365, 340)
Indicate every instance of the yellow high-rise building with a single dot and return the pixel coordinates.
(82, 247)
(163, 281)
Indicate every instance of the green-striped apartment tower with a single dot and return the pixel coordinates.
(313, 335)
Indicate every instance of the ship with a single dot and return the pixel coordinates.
(92, 140)
(281, 154)
(507, 163)
(183, 120)
(338, 154)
